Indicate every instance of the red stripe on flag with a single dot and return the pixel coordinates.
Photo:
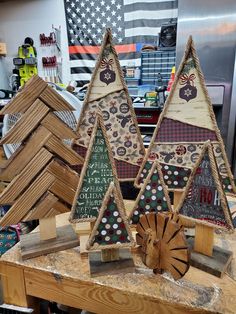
(96, 49)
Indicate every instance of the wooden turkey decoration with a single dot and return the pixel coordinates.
(163, 244)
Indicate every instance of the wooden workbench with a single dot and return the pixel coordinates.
(64, 277)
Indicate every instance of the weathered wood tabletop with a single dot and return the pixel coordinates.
(64, 277)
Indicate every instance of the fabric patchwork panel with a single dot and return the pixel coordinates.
(176, 131)
(185, 155)
(126, 170)
(120, 126)
(111, 229)
(174, 177)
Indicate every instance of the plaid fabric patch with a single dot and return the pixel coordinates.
(124, 170)
(176, 131)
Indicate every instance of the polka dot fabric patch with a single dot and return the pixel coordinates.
(174, 177)
(152, 199)
(111, 229)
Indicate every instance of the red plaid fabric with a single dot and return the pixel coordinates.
(175, 131)
(124, 169)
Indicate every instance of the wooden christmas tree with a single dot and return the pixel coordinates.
(110, 233)
(108, 92)
(98, 172)
(42, 184)
(153, 196)
(111, 229)
(186, 122)
(204, 202)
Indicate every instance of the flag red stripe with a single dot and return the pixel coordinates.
(96, 49)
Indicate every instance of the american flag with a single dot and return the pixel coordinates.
(133, 23)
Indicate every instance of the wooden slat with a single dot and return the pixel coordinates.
(27, 123)
(63, 151)
(61, 207)
(23, 155)
(20, 182)
(57, 127)
(25, 202)
(43, 208)
(47, 227)
(62, 191)
(54, 100)
(63, 172)
(25, 98)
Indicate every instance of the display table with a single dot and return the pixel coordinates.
(64, 277)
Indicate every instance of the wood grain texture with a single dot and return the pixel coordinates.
(50, 97)
(13, 283)
(61, 207)
(47, 228)
(163, 244)
(63, 151)
(57, 127)
(62, 191)
(64, 173)
(23, 155)
(32, 246)
(21, 181)
(97, 298)
(25, 202)
(25, 98)
(26, 124)
(43, 208)
(204, 239)
(110, 255)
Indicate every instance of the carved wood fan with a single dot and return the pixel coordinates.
(163, 244)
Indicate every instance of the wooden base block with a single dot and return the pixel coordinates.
(215, 264)
(83, 242)
(110, 255)
(177, 197)
(204, 239)
(31, 246)
(99, 268)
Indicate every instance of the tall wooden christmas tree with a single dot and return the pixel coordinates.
(42, 184)
(204, 202)
(97, 173)
(153, 196)
(186, 122)
(108, 92)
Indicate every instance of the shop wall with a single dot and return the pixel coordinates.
(29, 18)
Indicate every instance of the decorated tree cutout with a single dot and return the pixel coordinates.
(204, 202)
(98, 171)
(111, 229)
(153, 196)
(186, 122)
(108, 92)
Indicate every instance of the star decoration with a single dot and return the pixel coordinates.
(107, 76)
(187, 92)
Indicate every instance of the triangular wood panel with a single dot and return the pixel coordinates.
(153, 196)
(33, 89)
(97, 173)
(108, 93)
(204, 200)
(111, 229)
(186, 122)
